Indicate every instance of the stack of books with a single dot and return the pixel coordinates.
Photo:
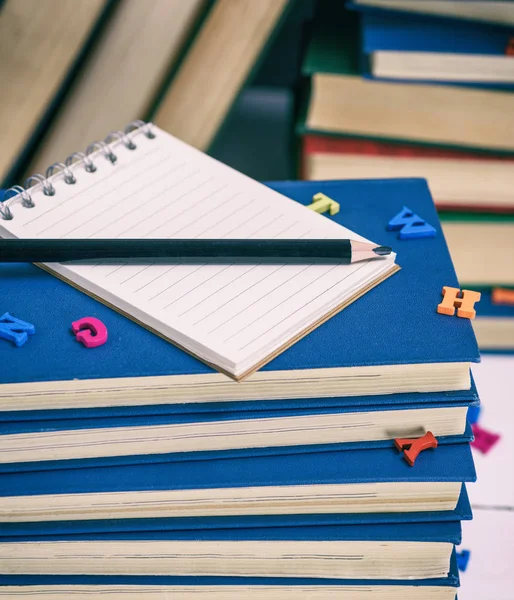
(136, 471)
(424, 89)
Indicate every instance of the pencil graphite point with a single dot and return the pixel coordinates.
(382, 250)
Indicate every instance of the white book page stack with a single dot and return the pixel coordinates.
(235, 317)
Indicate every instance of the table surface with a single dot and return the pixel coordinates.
(490, 536)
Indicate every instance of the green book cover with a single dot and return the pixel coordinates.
(477, 217)
(335, 42)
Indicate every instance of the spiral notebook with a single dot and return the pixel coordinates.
(144, 183)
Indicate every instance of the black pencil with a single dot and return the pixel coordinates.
(189, 251)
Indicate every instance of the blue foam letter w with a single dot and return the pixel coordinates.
(15, 330)
(410, 225)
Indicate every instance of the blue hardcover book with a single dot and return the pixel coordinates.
(494, 325)
(369, 552)
(481, 11)
(22, 418)
(390, 341)
(27, 587)
(41, 529)
(412, 48)
(79, 443)
(223, 493)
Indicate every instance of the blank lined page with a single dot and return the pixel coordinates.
(234, 316)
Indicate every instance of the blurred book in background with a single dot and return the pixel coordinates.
(417, 48)
(122, 75)
(488, 11)
(222, 59)
(494, 324)
(41, 46)
(342, 102)
(256, 138)
(482, 248)
(184, 64)
(458, 137)
(459, 180)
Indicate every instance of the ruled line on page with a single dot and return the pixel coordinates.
(250, 305)
(101, 213)
(204, 214)
(167, 235)
(142, 269)
(269, 272)
(159, 276)
(96, 183)
(166, 190)
(84, 213)
(123, 264)
(209, 279)
(197, 286)
(189, 207)
(178, 281)
(214, 225)
(213, 294)
(194, 220)
(296, 311)
(240, 225)
(251, 286)
(166, 207)
(231, 281)
(268, 310)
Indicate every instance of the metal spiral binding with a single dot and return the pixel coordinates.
(19, 193)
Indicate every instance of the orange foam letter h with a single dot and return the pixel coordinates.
(464, 303)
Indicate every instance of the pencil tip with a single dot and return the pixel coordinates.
(382, 250)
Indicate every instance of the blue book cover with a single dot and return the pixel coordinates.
(383, 326)
(448, 462)
(21, 419)
(41, 529)
(462, 41)
(449, 532)
(473, 11)
(26, 581)
(247, 554)
(280, 476)
(80, 443)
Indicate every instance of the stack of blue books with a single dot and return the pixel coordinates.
(135, 470)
